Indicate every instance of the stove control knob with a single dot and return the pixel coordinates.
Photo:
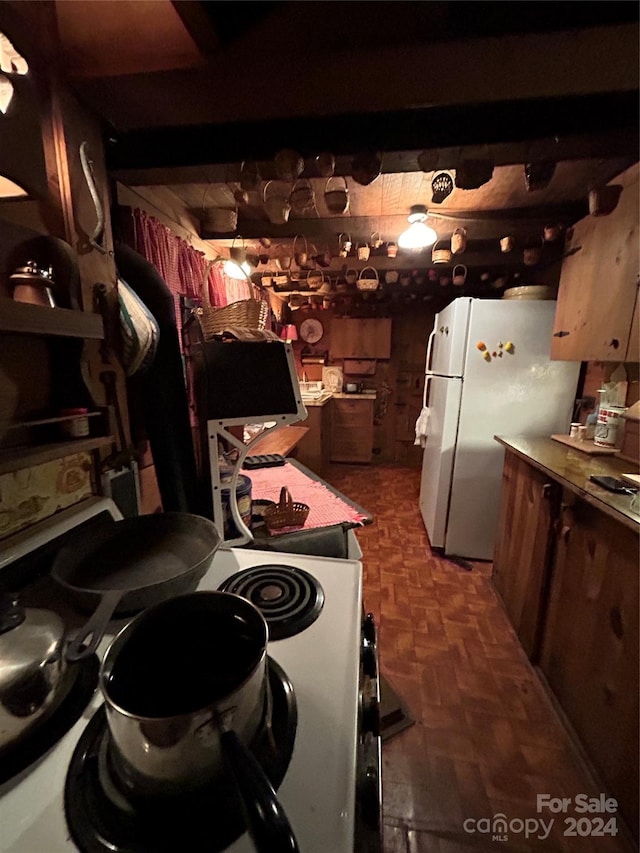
(369, 629)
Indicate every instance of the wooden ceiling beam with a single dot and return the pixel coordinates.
(522, 222)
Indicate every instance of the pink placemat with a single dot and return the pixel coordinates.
(325, 508)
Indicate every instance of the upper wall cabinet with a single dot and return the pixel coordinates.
(597, 312)
(366, 338)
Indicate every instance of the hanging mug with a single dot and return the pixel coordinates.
(363, 251)
(376, 240)
(405, 280)
(432, 275)
(459, 241)
(551, 233)
(531, 255)
(392, 250)
(391, 276)
(459, 275)
(344, 245)
(506, 244)
(604, 200)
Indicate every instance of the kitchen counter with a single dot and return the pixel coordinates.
(337, 395)
(572, 469)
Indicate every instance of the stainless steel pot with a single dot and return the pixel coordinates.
(32, 668)
(184, 686)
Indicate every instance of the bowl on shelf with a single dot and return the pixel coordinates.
(530, 291)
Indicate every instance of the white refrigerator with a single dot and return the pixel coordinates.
(488, 373)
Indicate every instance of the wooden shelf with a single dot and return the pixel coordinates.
(14, 459)
(40, 320)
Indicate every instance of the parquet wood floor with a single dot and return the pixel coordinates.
(486, 738)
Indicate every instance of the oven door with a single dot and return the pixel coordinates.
(368, 821)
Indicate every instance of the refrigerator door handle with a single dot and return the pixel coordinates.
(427, 380)
(429, 349)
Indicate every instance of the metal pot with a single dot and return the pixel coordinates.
(185, 689)
(32, 667)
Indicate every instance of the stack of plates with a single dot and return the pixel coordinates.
(530, 291)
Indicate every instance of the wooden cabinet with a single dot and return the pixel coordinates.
(567, 572)
(365, 338)
(597, 309)
(590, 644)
(524, 548)
(351, 430)
(313, 449)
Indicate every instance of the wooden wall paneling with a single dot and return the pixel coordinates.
(590, 644)
(603, 273)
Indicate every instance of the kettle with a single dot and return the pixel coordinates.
(32, 667)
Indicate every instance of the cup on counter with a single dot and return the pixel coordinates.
(573, 430)
(582, 433)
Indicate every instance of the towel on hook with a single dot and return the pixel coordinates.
(422, 426)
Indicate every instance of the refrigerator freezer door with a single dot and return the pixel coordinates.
(443, 399)
(447, 346)
(521, 392)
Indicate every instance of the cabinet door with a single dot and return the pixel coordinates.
(311, 450)
(351, 430)
(522, 559)
(590, 644)
(599, 281)
(366, 338)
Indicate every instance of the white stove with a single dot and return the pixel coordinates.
(332, 760)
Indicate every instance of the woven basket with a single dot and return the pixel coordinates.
(368, 282)
(246, 313)
(440, 256)
(286, 513)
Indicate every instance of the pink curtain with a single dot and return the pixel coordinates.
(181, 266)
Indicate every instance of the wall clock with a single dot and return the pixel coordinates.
(311, 330)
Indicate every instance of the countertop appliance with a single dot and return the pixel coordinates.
(488, 373)
(323, 659)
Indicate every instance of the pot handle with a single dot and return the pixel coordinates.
(93, 630)
(267, 822)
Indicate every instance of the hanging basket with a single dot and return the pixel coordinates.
(368, 282)
(303, 197)
(440, 256)
(246, 313)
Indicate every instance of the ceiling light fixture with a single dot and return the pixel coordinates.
(418, 235)
(235, 270)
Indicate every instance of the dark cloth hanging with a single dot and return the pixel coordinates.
(159, 393)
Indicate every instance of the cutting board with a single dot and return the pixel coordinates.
(634, 479)
(587, 447)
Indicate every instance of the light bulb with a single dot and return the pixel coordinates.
(235, 270)
(418, 235)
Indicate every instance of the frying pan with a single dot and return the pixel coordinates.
(130, 565)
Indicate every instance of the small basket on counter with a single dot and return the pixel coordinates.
(286, 513)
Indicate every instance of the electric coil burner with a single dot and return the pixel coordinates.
(289, 598)
(103, 819)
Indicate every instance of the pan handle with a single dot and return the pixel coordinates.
(268, 824)
(93, 630)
